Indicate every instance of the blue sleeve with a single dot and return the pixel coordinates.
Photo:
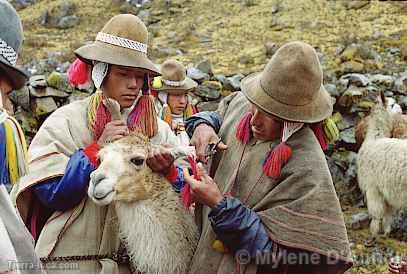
(239, 227)
(68, 191)
(180, 181)
(210, 118)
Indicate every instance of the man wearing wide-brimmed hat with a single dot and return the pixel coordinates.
(52, 198)
(16, 243)
(273, 208)
(174, 104)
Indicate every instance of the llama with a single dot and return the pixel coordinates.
(399, 129)
(382, 169)
(159, 234)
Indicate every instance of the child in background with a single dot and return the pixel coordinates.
(174, 104)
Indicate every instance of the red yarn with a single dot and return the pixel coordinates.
(144, 116)
(194, 109)
(243, 130)
(186, 197)
(319, 133)
(91, 152)
(78, 72)
(102, 118)
(276, 160)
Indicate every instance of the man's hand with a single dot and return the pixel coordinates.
(202, 137)
(204, 191)
(113, 131)
(394, 269)
(160, 160)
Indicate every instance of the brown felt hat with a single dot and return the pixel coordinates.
(290, 86)
(174, 78)
(122, 41)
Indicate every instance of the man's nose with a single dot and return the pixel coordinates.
(255, 121)
(183, 100)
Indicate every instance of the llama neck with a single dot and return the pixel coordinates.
(154, 231)
(379, 126)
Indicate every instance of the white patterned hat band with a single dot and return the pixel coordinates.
(173, 83)
(8, 52)
(121, 42)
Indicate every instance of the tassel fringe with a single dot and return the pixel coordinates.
(319, 133)
(166, 115)
(186, 197)
(13, 152)
(243, 130)
(276, 159)
(78, 72)
(143, 118)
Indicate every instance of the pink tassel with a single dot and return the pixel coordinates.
(186, 197)
(243, 130)
(194, 109)
(78, 72)
(144, 116)
(276, 159)
(319, 133)
(102, 118)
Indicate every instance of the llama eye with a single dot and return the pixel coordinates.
(137, 161)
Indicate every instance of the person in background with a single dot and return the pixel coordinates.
(174, 104)
(16, 244)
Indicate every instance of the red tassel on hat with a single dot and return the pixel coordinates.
(78, 72)
(243, 130)
(276, 159)
(319, 133)
(186, 197)
(144, 115)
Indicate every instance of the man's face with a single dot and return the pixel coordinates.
(123, 84)
(5, 90)
(264, 126)
(177, 102)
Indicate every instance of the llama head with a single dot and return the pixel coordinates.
(380, 122)
(123, 174)
(122, 171)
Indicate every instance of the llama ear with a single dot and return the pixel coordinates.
(182, 151)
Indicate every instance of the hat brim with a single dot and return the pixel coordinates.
(115, 55)
(189, 85)
(16, 75)
(318, 110)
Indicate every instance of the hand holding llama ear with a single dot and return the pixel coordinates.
(161, 158)
(115, 129)
(113, 107)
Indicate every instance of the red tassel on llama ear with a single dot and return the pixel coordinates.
(281, 153)
(243, 130)
(319, 133)
(186, 197)
(78, 72)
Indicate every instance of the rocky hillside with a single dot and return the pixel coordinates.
(362, 46)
